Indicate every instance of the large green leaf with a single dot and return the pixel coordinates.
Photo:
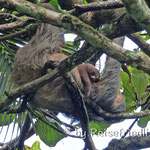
(47, 134)
(143, 121)
(139, 81)
(128, 90)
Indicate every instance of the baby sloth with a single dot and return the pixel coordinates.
(84, 74)
(89, 74)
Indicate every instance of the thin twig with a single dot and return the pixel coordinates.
(57, 119)
(19, 23)
(129, 129)
(13, 35)
(125, 69)
(8, 15)
(58, 130)
(10, 144)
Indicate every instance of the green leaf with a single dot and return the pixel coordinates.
(70, 47)
(5, 76)
(27, 147)
(6, 119)
(145, 36)
(47, 134)
(54, 3)
(84, 2)
(143, 121)
(98, 128)
(36, 145)
(139, 81)
(128, 90)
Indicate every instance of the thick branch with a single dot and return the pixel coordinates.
(139, 10)
(107, 115)
(137, 141)
(123, 26)
(81, 110)
(123, 23)
(102, 43)
(136, 38)
(24, 132)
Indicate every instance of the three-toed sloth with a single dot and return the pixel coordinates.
(44, 47)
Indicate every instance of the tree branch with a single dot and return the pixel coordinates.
(102, 43)
(137, 141)
(19, 23)
(24, 132)
(68, 4)
(112, 116)
(122, 26)
(79, 9)
(16, 34)
(80, 106)
(129, 129)
(136, 38)
(140, 6)
(48, 123)
(7, 16)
